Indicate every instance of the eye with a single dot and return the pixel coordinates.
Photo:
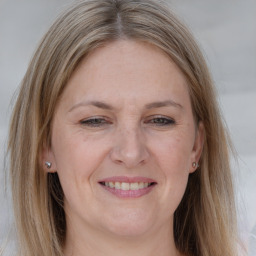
(95, 122)
(160, 121)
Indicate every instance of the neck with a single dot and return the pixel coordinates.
(81, 242)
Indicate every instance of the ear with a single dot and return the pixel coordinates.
(198, 146)
(48, 157)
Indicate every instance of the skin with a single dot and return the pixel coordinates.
(131, 137)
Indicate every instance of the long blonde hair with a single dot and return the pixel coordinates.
(205, 221)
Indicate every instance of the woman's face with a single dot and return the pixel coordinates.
(124, 140)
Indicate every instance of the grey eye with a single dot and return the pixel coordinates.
(161, 121)
(94, 122)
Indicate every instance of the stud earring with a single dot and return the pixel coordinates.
(48, 165)
(195, 165)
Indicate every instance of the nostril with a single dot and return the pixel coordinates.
(129, 152)
(118, 161)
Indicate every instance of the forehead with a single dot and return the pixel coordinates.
(127, 70)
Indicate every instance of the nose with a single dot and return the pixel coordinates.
(129, 148)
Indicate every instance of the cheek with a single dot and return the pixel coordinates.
(173, 159)
(77, 157)
(173, 154)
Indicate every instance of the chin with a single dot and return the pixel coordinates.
(130, 224)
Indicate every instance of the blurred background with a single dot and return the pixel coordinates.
(226, 31)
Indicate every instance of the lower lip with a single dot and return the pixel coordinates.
(129, 193)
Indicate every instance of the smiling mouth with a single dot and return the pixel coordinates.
(127, 185)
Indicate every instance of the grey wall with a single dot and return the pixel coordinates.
(226, 31)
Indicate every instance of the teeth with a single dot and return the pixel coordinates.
(134, 186)
(127, 186)
(141, 184)
(117, 185)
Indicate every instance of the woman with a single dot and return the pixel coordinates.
(116, 142)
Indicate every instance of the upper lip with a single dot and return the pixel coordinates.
(127, 179)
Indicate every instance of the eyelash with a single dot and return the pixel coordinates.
(101, 121)
(161, 121)
(95, 122)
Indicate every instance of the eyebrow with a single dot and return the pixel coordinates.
(102, 105)
(161, 104)
(97, 104)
